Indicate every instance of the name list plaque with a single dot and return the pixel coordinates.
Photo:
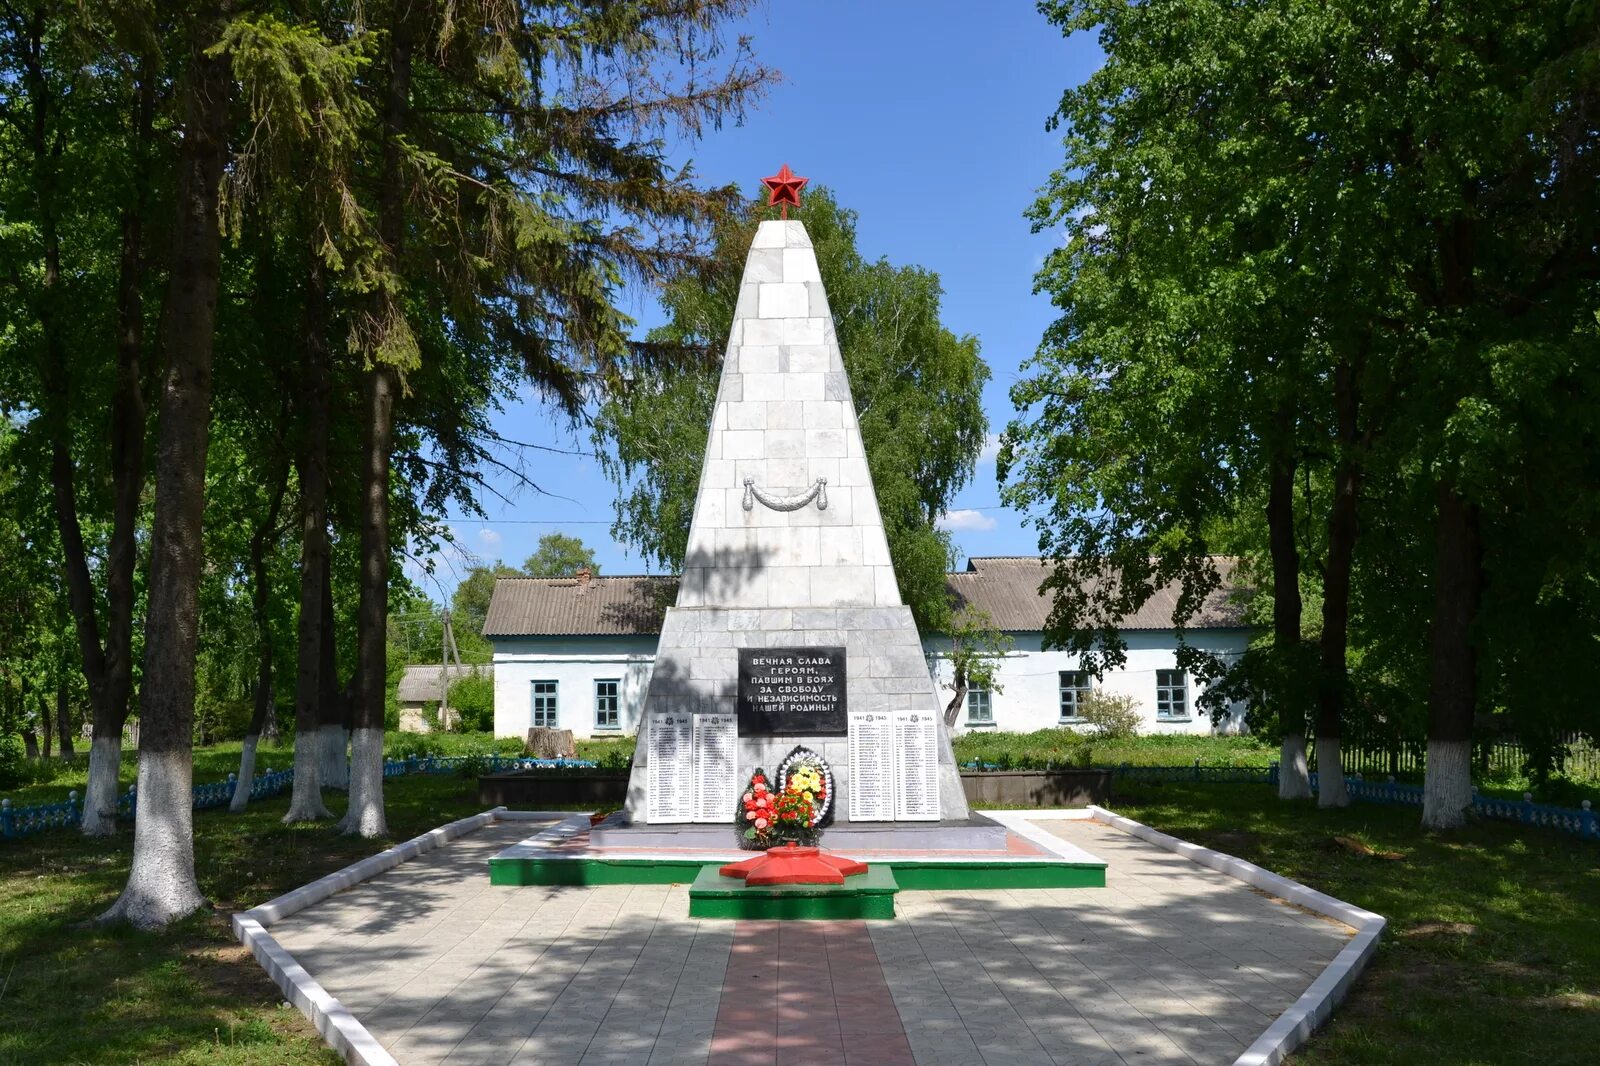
(872, 788)
(916, 748)
(672, 776)
(792, 691)
(716, 767)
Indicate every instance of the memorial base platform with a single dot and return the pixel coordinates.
(568, 853)
(864, 896)
(973, 833)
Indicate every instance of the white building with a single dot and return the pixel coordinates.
(576, 653)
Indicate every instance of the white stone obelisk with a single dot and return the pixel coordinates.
(786, 547)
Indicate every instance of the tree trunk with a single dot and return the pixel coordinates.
(333, 709)
(952, 710)
(161, 881)
(64, 726)
(1292, 768)
(1294, 781)
(260, 603)
(107, 670)
(1452, 676)
(365, 816)
(247, 771)
(305, 803)
(1333, 679)
(44, 724)
(30, 744)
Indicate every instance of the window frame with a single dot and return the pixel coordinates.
(1166, 687)
(980, 694)
(616, 704)
(553, 696)
(1078, 691)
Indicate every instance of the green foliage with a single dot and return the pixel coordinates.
(1354, 238)
(472, 700)
(977, 652)
(1112, 716)
(14, 769)
(917, 389)
(559, 555)
(1061, 746)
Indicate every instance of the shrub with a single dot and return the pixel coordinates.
(472, 702)
(14, 768)
(1112, 716)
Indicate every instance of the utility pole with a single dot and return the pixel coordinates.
(447, 648)
(444, 673)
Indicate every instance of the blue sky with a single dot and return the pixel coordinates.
(929, 120)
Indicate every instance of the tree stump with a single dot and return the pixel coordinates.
(545, 743)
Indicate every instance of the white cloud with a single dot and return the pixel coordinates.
(489, 538)
(965, 520)
(991, 448)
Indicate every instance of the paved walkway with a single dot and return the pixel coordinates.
(1170, 963)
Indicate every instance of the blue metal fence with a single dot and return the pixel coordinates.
(1252, 775)
(1579, 821)
(16, 822)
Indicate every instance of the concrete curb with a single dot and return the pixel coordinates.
(343, 1032)
(1295, 1025)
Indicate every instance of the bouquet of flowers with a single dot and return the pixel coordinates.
(767, 819)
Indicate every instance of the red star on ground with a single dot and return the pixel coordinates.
(785, 188)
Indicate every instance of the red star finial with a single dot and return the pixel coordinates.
(785, 186)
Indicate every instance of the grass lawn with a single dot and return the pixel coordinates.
(1492, 954)
(192, 995)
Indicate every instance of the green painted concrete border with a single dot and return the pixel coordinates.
(592, 871)
(864, 896)
(914, 875)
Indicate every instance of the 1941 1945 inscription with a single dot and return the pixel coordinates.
(792, 691)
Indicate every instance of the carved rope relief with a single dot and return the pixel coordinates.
(818, 492)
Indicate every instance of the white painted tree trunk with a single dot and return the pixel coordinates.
(161, 884)
(1294, 780)
(305, 803)
(332, 743)
(101, 793)
(1331, 790)
(1447, 784)
(247, 774)
(365, 815)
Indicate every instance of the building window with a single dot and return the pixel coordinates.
(544, 704)
(605, 704)
(979, 709)
(1172, 694)
(1074, 687)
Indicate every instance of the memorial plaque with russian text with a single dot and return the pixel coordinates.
(671, 767)
(872, 787)
(792, 691)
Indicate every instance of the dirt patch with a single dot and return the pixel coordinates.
(1360, 847)
(231, 970)
(1568, 1001)
(1427, 929)
(1232, 841)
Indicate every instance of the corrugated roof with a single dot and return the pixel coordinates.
(1006, 587)
(420, 684)
(565, 606)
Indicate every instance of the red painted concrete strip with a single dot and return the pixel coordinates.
(808, 993)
